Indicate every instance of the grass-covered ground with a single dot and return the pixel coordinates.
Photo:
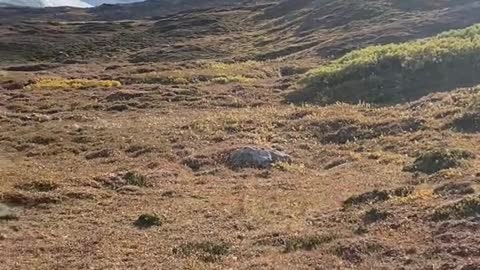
(109, 163)
(397, 72)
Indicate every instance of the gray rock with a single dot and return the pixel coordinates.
(6, 213)
(253, 157)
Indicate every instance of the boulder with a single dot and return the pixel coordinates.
(6, 213)
(253, 157)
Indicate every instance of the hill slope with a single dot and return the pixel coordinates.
(267, 30)
(127, 135)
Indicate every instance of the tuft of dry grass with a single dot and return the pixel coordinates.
(61, 83)
(291, 167)
(418, 196)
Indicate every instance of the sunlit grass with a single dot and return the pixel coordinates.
(211, 72)
(397, 72)
(60, 83)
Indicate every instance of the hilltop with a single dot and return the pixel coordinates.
(44, 3)
(127, 135)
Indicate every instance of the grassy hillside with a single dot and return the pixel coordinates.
(397, 72)
(165, 142)
(222, 30)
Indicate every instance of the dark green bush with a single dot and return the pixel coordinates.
(434, 161)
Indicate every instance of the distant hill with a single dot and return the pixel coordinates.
(110, 9)
(60, 3)
(44, 3)
(159, 30)
(154, 8)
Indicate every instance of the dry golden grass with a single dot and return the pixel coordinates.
(211, 72)
(419, 196)
(60, 83)
(243, 207)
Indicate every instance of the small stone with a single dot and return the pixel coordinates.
(76, 127)
(253, 157)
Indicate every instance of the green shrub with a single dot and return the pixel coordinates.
(397, 72)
